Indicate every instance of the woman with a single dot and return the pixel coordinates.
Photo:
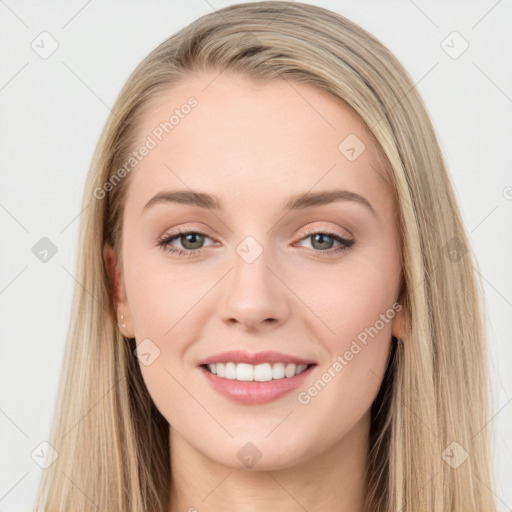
(220, 356)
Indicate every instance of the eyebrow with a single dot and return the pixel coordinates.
(297, 202)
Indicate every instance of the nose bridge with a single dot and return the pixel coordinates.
(254, 293)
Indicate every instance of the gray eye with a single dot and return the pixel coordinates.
(321, 241)
(192, 240)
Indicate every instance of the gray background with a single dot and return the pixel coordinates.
(52, 111)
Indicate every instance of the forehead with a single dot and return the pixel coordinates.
(227, 133)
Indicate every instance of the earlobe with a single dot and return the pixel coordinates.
(399, 325)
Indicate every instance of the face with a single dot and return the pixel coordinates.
(312, 280)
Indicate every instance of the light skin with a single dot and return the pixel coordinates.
(253, 146)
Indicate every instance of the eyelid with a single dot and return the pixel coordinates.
(326, 230)
(180, 231)
(185, 229)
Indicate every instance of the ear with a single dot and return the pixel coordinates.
(399, 322)
(116, 282)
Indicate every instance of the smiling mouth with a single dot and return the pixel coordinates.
(263, 372)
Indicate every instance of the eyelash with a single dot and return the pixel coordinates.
(164, 243)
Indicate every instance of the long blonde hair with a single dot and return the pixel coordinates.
(432, 409)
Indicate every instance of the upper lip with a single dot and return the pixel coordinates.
(242, 356)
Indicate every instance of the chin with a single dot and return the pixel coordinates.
(254, 455)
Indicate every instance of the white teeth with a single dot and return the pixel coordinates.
(278, 371)
(259, 373)
(244, 371)
(289, 371)
(300, 368)
(262, 372)
(230, 371)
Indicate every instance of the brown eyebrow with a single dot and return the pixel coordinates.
(297, 202)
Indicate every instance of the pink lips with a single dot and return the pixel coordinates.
(253, 393)
(241, 356)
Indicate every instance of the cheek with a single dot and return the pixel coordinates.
(166, 305)
(357, 340)
(355, 308)
(161, 297)
(349, 299)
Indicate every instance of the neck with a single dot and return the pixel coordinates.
(327, 481)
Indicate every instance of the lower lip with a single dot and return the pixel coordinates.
(253, 393)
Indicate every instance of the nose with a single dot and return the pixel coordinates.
(255, 296)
